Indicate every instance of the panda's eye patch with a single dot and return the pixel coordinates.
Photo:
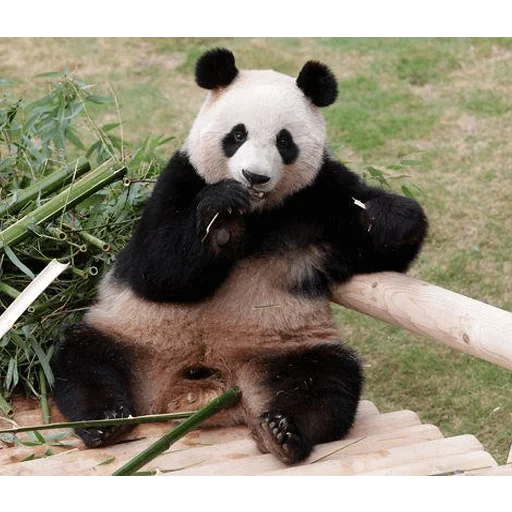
(286, 146)
(234, 139)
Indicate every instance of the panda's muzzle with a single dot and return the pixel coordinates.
(255, 179)
(255, 183)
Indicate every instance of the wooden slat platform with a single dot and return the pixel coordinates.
(395, 443)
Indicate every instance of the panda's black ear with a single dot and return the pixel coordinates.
(318, 83)
(216, 68)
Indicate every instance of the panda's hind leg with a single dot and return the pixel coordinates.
(91, 382)
(301, 397)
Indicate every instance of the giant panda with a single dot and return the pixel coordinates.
(226, 280)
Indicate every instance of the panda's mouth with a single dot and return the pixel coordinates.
(257, 195)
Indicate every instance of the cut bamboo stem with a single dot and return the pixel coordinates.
(227, 399)
(30, 294)
(94, 241)
(74, 194)
(45, 186)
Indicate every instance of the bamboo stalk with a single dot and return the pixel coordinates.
(45, 407)
(46, 186)
(9, 290)
(227, 399)
(111, 422)
(74, 194)
(94, 241)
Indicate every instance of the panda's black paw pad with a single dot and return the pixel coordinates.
(284, 438)
(94, 437)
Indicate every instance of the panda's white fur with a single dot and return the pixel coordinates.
(265, 101)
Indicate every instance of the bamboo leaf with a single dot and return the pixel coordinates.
(14, 259)
(407, 191)
(9, 378)
(411, 163)
(39, 437)
(95, 98)
(107, 461)
(110, 126)
(50, 74)
(44, 360)
(72, 136)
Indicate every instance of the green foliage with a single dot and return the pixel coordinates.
(37, 139)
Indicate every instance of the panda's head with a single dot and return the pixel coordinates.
(259, 127)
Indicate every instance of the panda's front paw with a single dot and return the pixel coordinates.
(394, 221)
(219, 210)
(93, 437)
(279, 434)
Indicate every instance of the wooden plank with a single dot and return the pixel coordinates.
(211, 440)
(81, 462)
(497, 472)
(33, 416)
(381, 423)
(229, 452)
(18, 454)
(260, 464)
(386, 458)
(458, 321)
(86, 461)
(438, 465)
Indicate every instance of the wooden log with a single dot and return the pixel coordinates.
(458, 321)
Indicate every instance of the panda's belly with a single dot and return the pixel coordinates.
(259, 302)
(251, 312)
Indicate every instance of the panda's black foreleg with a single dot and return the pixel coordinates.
(313, 395)
(91, 382)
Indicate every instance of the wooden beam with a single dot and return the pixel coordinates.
(458, 321)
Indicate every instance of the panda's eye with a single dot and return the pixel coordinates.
(282, 142)
(239, 135)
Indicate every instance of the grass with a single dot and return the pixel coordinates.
(444, 103)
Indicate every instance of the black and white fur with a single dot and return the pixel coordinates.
(226, 280)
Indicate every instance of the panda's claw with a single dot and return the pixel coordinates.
(94, 437)
(281, 436)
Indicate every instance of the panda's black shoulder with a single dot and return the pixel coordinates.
(335, 176)
(176, 184)
(334, 182)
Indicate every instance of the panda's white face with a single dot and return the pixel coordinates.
(262, 131)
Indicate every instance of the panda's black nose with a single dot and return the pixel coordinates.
(255, 179)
